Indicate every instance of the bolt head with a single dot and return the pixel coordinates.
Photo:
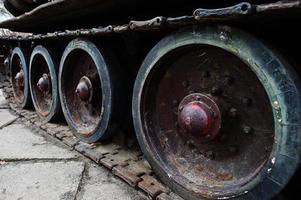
(186, 84)
(216, 91)
(247, 129)
(246, 101)
(232, 112)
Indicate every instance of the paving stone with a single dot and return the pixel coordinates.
(170, 196)
(6, 117)
(47, 180)
(18, 142)
(100, 184)
(3, 102)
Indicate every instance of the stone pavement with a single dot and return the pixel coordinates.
(37, 166)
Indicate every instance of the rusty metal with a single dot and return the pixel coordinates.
(213, 146)
(198, 114)
(18, 78)
(240, 11)
(44, 83)
(84, 89)
(79, 75)
(41, 84)
(131, 173)
(236, 109)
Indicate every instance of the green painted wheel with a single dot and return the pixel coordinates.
(217, 114)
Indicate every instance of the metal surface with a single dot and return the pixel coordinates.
(231, 111)
(86, 90)
(43, 83)
(227, 66)
(198, 114)
(227, 160)
(127, 164)
(85, 115)
(19, 77)
(240, 11)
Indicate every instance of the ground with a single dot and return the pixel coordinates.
(35, 166)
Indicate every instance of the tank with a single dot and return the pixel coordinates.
(205, 92)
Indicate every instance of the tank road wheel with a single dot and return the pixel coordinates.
(217, 114)
(19, 78)
(43, 70)
(86, 90)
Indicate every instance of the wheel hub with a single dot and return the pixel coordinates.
(20, 79)
(199, 114)
(44, 83)
(84, 89)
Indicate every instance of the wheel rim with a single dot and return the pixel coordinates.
(86, 102)
(43, 83)
(183, 156)
(19, 78)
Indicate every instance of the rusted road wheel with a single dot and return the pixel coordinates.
(87, 90)
(43, 70)
(19, 77)
(217, 114)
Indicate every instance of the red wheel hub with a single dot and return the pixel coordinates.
(199, 114)
(84, 89)
(20, 79)
(44, 83)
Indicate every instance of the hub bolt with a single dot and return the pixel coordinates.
(247, 129)
(246, 101)
(216, 91)
(186, 84)
(233, 112)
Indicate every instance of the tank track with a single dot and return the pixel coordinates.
(240, 11)
(119, 155)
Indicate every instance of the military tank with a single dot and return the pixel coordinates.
(212, 88)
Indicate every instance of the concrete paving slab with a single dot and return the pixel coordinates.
(18, 142)
(46, 180)
(3, 102)
(6, 117)
(100, 184)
